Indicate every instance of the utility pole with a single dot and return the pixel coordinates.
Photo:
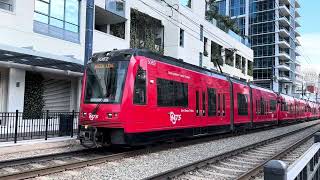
(89, 31)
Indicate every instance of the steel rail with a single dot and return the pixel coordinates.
(259, 168)
(27, 160)
(68, 166)
(201, 163)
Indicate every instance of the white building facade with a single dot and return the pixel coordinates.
(42, 44)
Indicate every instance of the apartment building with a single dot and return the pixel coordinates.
(272, 28)
(42, 44)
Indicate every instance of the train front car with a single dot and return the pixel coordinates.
(103, 93)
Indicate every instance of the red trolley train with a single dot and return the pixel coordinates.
(137, 97)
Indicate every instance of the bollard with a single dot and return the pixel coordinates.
(275, 170)
(317, 137)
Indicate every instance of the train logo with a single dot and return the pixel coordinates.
(174, 118)
(93, 116)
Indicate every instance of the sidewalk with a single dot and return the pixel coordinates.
(38, 147)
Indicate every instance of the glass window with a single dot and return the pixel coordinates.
(273, 105)
(104, 82)
(186, 3)
(242, 104)
(172, 93)
(212, 102)
(181, 37)
(63, 14)
(139, 96)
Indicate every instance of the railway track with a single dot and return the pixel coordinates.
(48, 164)
(244, 163)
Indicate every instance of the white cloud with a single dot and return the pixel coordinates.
(310, 50)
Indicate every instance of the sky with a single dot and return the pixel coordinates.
(310, 33)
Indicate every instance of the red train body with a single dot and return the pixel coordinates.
(136, 97)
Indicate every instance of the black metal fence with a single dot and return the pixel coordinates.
(16, 126)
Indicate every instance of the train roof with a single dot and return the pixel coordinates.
(123, 54)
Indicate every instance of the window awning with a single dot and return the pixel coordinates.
(32, 60)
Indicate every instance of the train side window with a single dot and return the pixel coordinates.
(242, 104)
(262, 107)
(273, 105)
(140, 92)
(212, 102)
(172, 93)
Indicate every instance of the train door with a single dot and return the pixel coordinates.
(201, 113)
(221, 105)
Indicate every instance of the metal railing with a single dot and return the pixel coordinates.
(307, 167)
(6, 6)
(116, 6)
(18, 126)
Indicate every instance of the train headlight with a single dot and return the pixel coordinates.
(109, 115)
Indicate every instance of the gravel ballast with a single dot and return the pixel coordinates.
(144, 166)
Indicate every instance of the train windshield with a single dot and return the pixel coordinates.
(104, 82)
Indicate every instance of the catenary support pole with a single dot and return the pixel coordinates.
(89, 31)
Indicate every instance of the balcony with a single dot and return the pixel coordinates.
(297, 33)
(283, 43)
(284, 33)
(284, 78)
(297, 14)
(284, 55)
(297, 23)
(113, 13)
(284, 67)
(297, 52)
(297, 62)
(297, 42)
(287, 2)
(284, 21)
(297, 4)
(284, 11)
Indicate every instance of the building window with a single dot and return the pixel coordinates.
(7, 5)
(57, 18)
(250, 68)
(216, 51)
(186, 3)
(181, 38)
(242, 104)
(172, 93)
(229, 57)
(212, 102)
(243, 68)
(205, 47)
(140, 91)
(238, 61)
(200, 59)
(201, 32)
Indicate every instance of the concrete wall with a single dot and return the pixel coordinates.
(3, 89)
(16, 87)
